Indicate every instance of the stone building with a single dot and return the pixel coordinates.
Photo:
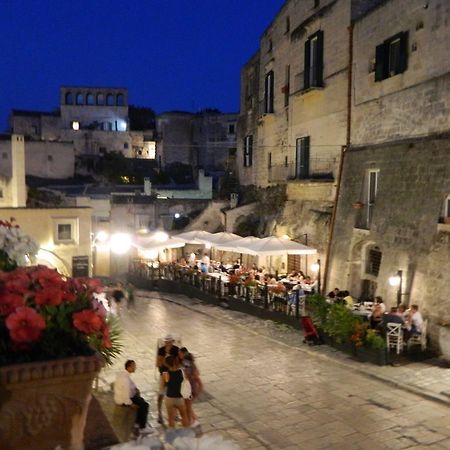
(394, 204)
(205, 140)
(294, 113)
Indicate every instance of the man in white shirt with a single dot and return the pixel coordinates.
(127, 394)
(416, 320)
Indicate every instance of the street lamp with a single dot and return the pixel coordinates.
(397, 281)
(316, 268)
(120, 243)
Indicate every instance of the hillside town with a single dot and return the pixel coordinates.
(328, 192)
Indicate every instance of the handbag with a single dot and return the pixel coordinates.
(186, 389)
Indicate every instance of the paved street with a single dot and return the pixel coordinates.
(265, 392)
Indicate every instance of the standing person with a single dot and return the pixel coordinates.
(130, 295)
(193, 375)
(173, 377)
(168, 349)
(127, 394)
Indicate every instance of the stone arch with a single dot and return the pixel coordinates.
(69, 98)
(110, 100)
(100, 99)
(89, 98)
(79, 99)
(120, 100)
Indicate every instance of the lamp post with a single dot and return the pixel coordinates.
(397, 281)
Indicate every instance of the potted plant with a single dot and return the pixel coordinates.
(53, 331)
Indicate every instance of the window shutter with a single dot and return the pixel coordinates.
(250, 152)
(380, 62)
(319, 62)
(403, 62)
(306, 81)
(244, 153)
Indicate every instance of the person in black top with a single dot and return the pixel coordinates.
(168, 349)
(173, 378)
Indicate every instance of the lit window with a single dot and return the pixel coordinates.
(75, 125)
(391, 57)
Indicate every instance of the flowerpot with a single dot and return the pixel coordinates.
(44, 405)
(375, 356)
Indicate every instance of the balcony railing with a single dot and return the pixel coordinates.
(318, 169)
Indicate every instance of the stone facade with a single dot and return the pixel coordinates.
(394, 206)
(203, 140)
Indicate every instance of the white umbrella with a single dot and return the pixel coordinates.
(223, 237)
(150, 243)
(238, 245)
(195, 237)
(273, 246)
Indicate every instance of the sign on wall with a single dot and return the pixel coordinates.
(80, 266)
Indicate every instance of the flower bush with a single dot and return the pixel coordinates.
(44, 315)
(278, 289)
(16, 248)
(234, 279)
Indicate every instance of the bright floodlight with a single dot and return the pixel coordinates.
(177, 215)
(285, 236)
(101, 236)
(315, 267)
(75, 125)
(207, 246)
(161, 236)
(395, 280)
(120, 243)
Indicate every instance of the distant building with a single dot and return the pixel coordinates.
(205, 140)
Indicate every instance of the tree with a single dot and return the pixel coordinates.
(141, 118)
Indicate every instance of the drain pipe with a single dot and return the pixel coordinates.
(343, 152)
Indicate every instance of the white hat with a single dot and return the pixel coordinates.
(168, 338)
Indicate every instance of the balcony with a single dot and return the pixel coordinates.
(316, 169)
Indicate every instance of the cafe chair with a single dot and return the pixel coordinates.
(420, 339)
(394, 336)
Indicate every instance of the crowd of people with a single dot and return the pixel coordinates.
(179, 386)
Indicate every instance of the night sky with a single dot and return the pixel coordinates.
(170, 54)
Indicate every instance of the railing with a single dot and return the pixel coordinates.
(288, 303)
(319, 168)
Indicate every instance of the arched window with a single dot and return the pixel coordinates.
(79, 99)
(110, 100)
(69, 98)
(89, 99)
(373, 260)
(120, 100)
(100, 99)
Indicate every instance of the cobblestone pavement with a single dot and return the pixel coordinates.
(265, 390)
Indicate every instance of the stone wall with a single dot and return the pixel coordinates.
(46, 159)
(413, 182)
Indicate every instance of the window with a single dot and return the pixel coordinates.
(69, 98)
(313, 70)
(373, 261)
(231, 128)
(75, 125)
(268, 93)
(286, 161)
(120, 100)
(269, 161)
(64, 232)
(110, 100)
(125, 145)
(100, 99)
(372, 188)
(49, 158)
(1, 193)
(270, 45)
(34, 129)
(286, 86)
(248, 151)
(302, 157)
(391, 57)
(89, 99)
(79, 99)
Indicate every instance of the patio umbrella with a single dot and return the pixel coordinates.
(238, 245)
(223, 237)
(150, 243)
(274, 246)
(195, 237)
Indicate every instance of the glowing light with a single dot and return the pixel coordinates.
(161, 236)
(286, 237)
(395, 280)
(101, 236)
(75, 125)
(120, 243)
(150, 254)
(177, 215)
(207, 246)
(315, 267)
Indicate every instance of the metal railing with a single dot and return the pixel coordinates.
(319, 168)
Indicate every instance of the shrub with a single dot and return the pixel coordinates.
(341, 323)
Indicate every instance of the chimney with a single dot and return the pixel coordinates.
(147, 186)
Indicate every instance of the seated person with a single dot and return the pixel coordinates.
(416, 320)
(127, 394)
(377, 312)
(348, 299)
(392, 317)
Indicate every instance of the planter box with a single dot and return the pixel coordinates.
(374, 356)
(44, 405)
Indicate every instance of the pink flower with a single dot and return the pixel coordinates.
(87, 321)
(47, 277)
(49, 296)
(25, 325)
(9, 302)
